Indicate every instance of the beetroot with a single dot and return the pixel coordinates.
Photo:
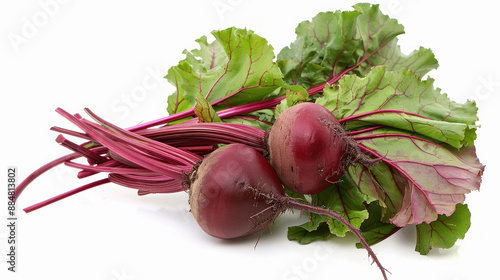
(222, 197)
(306, 148)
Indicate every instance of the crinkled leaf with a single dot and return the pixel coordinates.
(435, 178)
(237, 68)
(334, 43)
(180, 100)
(204, 111)
(310, 58)
(382, 183)
(294, 94)
(374, 229)
(403, 91)
(420, 61)
(444, 232)
(378, 33)
(314, 229)
(314, 222)
(305, 236)
(343, 198)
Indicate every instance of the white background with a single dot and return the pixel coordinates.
(110, 56)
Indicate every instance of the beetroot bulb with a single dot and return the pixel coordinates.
(224, 189)
(309, 149)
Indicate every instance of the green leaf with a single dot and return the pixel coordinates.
(180, 100)
(434, 178)
(444, 232)
(334, 43)
(420, 61)
(374, 229)
(204, 111)
(294, 95)
(237, 68)
(382, 183)
(440, 131)
(342, 197)
(309, 60)
(345, 199)
(403, 91)
(304, 236)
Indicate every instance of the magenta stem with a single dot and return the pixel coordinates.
(353, 117)
(66, 194)
(46, 167)
(294, 204)
(364, 130)
(88, 153)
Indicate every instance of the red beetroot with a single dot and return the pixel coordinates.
(306, 147)
(222, 192)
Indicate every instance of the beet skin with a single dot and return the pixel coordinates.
(305, 147)
(224, 188)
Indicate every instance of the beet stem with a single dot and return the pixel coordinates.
(291, 203)
(41, 170)
(91, 155)
(65, 195)
(70, 132)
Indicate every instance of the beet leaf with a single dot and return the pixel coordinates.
(444, 232)
(409, 99)
(333, 44)
(343, 197)
(374, 228)
(237, 68)
(432, 178)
